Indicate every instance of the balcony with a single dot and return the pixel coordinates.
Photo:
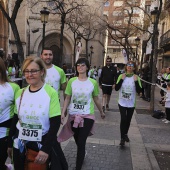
(165, 39)
(167, 4)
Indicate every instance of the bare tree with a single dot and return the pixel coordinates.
(86, 23)
(63, 8)
(12, 21)
(126, 25)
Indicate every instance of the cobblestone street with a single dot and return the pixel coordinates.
(103, 151)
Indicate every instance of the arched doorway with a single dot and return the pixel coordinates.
(56, 54)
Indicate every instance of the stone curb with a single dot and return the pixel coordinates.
(152, 159)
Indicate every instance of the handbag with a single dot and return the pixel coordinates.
(30, 164)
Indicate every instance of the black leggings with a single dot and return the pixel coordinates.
(3, 152)
(126, 114)
(80, 136)
(167, 111)
(19, 159)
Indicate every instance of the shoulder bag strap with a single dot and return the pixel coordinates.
(20, 105)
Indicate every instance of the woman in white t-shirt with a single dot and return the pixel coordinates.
(127, 84)
(37, 117)
(7, 96)
(80, 92)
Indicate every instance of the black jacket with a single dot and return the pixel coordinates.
(108, 75)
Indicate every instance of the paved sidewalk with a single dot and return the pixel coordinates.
(103, 151)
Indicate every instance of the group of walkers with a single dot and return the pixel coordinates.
(30, 117)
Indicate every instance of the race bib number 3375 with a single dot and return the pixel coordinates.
(30, 132)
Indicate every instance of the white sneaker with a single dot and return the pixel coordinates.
(163, 120)
(10, 167)
(167, 121)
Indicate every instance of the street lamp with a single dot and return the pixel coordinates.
(91, 53)
(137, 41)
(154, 15)
(44, 19)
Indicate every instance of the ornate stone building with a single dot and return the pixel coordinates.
(4, 29)
(30, 29)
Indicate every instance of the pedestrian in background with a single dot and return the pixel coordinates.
(128, 84)
(36, 121)
(81, 91)
(11, 70)
(107, 82)
(7, 95)
(163, 84)
(55, 75)
(167, 104)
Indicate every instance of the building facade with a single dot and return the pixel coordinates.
(4, 29)
(31, 30)
(123, 16)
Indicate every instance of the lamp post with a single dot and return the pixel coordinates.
(104, 53)
(155, 19)
(91, 53)
(137, 41)
(44, 19)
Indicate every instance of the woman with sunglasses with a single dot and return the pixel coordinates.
(127, 85)
(37, 117)
(8, 91)
(81, 91)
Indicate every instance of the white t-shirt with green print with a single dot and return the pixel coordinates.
(37, 107)
(127, 92)
(7, 96)
(55, 77)
(82, 93)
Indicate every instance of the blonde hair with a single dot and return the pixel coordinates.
(38, 61)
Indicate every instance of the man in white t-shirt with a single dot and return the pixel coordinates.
(55, 75)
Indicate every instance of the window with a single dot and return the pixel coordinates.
(107, 4)
(117, 23)
(147, 8)
(118, 3)
(116, 13)
(136, 10)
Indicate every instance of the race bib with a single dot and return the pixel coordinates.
(127, 96)
(30, 132)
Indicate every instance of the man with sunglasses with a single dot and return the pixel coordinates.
(107, 82)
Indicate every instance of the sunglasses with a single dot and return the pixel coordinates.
(130, 65)
(81, 65)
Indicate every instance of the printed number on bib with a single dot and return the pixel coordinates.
(78, 106)
(30, 132)
(126, 96)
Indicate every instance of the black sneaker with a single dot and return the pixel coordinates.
(103, 108)
(122, 142)
(126, 138)
(107, 107)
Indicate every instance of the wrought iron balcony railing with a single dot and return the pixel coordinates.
(167, 4)
(165, 39)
